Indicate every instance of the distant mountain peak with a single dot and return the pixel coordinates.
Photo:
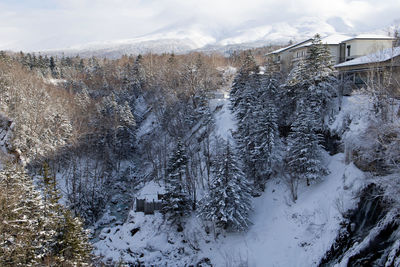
(196, 36)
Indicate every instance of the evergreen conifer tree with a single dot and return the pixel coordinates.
(321, 81)
(249, 67)
(68, 242)
(257, 131)
(304, 150)
(265, 130)
(313, 81)
(266, 136)
(74, 244)
(244, 112)
(228, 202)
(139, 73)
(52, 209)
(22, 231)
(177, 200)
(319, 60)
(35, 228)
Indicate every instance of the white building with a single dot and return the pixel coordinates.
(362, 45)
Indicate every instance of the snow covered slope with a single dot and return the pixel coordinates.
(291, 234)
(283, 233)
(224, 120)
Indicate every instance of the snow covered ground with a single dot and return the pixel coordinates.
(224, 120)
(292, 234)
(54, 81)
(283, 233)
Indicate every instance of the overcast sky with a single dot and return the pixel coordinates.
(49, 24)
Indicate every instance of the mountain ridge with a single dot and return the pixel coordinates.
(206, 38)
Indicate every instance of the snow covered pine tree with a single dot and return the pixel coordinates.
(177, 200)
(314, 83)
(228, 202)
(34, 229)
(304, 150)
(264, 132)
(68, 243)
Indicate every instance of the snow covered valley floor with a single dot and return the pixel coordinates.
(283, 233)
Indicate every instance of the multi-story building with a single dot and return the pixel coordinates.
(342, 48)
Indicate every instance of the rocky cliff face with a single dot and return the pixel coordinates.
(369, 234)
(6, 152)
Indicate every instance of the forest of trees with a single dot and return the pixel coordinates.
(80, 129)
(74, 135)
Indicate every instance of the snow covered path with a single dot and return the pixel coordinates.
(224, 120)
(287, 234)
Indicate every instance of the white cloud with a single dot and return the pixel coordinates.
(33, 25)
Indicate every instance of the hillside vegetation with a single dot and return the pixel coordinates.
(243, 165)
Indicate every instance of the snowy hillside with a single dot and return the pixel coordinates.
(292, 234)
(283, 233)
(176, 133)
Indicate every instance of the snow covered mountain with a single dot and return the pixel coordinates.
(200, 37)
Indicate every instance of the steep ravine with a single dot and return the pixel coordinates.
(369, 235)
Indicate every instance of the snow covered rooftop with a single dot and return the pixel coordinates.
(333, 39)
(330, 39)
(288, 47)
(380, 56)
(370, 36)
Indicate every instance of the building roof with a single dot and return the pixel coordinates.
(288, 47)
(333, 39)
(380, 56)
(370, 37)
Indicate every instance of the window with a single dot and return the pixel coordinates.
(348, 50)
